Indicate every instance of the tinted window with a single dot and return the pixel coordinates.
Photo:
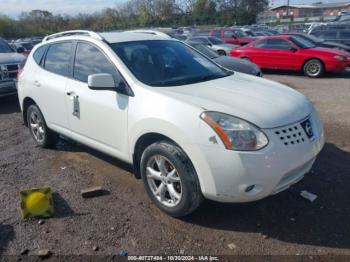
(302, 42)
(58, 58)
(344, 35)
(39, 53)
(166, 63)
(89, 60)
(277, 44)
(200, 40)
(216, 41)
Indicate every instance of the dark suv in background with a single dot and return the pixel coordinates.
(10, 62)
(336, 33)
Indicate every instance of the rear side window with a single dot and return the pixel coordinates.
(228, 34)
(90, 60)
(276, 44)
(39, 53)
(58, 58)
(217, 34)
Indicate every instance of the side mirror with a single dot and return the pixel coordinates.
(20, 50)
(293, 49)
(209, 44)
(107, 82)
(102, 82)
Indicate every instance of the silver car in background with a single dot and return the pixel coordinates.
(214, 43)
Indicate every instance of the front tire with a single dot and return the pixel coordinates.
(170, 179)
(313, 68)
(41, 134)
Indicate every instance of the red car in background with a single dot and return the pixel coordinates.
(293, 53)
(232, 36)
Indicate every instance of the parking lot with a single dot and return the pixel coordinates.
(284, 224)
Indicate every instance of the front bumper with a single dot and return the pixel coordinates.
(270, 170)
(8, 87)
(336, 66)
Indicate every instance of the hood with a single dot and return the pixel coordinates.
(327, 51)
(264, 103)
(11, 58)
(236, 64)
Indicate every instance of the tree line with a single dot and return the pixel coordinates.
(135, 14)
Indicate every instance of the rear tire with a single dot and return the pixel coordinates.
(313, 68)
(170, 179)
(221, 52)
(41, 134)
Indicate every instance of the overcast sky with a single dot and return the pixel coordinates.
(13, 8)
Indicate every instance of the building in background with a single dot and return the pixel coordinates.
(304, 13)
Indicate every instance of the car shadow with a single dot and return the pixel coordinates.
(7, 234)
(344, 74)
(66, 144)
(289, 217)
(9, 105)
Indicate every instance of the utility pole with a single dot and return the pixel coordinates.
(287, 8)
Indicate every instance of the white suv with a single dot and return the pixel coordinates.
(191, 129)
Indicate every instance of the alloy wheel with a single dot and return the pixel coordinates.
(164, 181)
(37, 127)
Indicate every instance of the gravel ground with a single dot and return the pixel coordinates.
(285, 224)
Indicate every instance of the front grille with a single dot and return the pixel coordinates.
(8, 72)
(291, 135)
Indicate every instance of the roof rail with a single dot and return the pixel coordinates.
(73, 32)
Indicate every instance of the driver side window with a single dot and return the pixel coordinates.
(275, 44)
(90, 60)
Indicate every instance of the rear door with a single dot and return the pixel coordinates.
(51, 80)
(96, 117)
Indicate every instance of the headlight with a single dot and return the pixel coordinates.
(235, 133)
(339, 58)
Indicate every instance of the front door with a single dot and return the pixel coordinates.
(96, 117)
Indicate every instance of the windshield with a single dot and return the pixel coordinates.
(4, 47)
(204, 50)
(166, 63)
(301, 42)
(215, 41)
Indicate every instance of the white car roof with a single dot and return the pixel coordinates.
(116, 37)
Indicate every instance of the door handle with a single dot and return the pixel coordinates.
(36, 83)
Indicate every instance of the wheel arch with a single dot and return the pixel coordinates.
(27, 102)
(313, 58)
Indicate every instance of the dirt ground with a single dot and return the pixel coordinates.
(285, 224)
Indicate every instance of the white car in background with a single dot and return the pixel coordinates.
(191, 129)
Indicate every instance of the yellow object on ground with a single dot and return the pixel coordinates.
(36, 202)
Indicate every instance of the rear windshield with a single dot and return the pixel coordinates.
(4, 47)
